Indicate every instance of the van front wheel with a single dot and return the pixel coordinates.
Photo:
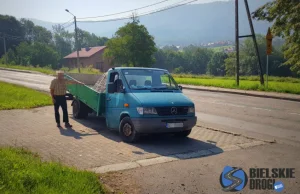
(127, 131)
(183, 133)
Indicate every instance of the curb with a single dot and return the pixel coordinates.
(246, 93)
(173, 157)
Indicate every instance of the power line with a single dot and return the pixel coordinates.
(146, 13)
(67, 22)
(68, 25)
(125, 11)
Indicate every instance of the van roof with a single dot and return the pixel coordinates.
(137, 68)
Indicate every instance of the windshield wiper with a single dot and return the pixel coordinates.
(164, 88)
(141, 88)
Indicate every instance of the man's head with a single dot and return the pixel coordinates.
(60, 75)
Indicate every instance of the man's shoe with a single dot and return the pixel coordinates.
(67, 125)
(58, 125)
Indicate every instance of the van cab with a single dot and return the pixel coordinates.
(146, 100)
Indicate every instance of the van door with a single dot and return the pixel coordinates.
(114, 101)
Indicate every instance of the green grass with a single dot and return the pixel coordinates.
(23, 172)
(273, 86)
(44, 70)
(19, 97)
(85, 71)
(249, 78)
(49, 71)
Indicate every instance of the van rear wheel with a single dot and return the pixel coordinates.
(79, 109)
(127, 131)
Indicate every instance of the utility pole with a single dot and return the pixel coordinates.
(269, 38)
(237, 37)
(237, 68)
(4, 45)
(76, 40)
(255, 43)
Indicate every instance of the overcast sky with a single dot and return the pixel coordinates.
(53, 10)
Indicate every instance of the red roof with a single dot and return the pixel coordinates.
(85, 52)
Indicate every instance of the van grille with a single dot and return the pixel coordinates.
(176, 110)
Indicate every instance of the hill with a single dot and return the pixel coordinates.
(189, 24)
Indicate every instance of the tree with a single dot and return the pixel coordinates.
(11, 28)
(197, 59)
(86, 39)
(170, 48)
(28, 27)
(63, 40)
(216, 65)
(249, 63)
(286, 17)
(230, 64)
(132, 45)
(42, 35)
(38, 54)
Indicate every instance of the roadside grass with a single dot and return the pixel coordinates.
(273, 86)
(44, 70)
(249, 78)
(22, 171)
(19, 97)
(49, 71)
(85, 71)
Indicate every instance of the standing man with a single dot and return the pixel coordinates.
(58, 90)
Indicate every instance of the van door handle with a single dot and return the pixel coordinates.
(108, 99)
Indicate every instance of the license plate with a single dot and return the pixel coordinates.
(174, 125)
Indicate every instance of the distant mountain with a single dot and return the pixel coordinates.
(189, 24)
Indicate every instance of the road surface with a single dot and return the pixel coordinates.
(258, 117)
(262, 118)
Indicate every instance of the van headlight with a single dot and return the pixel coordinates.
(146, 111)
(191, 110)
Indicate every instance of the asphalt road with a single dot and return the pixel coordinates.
(258, 117)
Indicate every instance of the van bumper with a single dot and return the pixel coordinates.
(159, 125)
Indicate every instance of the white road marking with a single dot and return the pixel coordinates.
(293, 113)
(261, 108)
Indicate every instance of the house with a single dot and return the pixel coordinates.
(87, 57)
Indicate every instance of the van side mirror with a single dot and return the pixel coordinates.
(111, 88)
(180, 88)
(122, 90)
(119, 86)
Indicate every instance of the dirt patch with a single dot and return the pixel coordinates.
(120, 182)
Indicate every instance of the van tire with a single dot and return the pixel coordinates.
(127, 131)
(80, 110)
(183, 133)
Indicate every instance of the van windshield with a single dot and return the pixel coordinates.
(141, 79)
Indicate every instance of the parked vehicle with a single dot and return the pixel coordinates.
(137, 101)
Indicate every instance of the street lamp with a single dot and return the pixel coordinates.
(76, 40)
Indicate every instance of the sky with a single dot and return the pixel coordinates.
(54, 10)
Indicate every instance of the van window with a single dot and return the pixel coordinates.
(149, 79)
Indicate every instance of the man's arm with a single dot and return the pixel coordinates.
(52, 91)
(74, 82)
